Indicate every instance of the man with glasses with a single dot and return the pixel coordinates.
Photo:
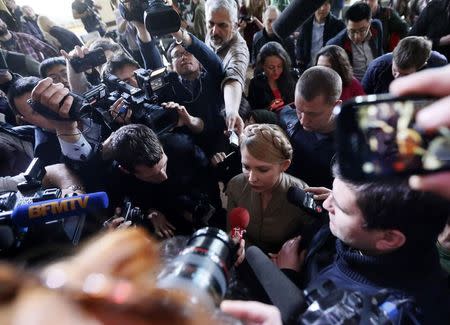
(56, 69)
(362, 39)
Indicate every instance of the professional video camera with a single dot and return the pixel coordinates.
(141, 101)
(328, 305)
(34, 215)
(202, 269)
(159, 18)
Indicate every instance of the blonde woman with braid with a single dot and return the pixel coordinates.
(262, 187)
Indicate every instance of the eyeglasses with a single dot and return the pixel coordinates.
(180, 54)
(361, 31)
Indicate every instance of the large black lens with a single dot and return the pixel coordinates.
(202, 268)
(161, 19)
(158, 119)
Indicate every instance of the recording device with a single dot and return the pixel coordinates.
(33, 211)
(329, 305)
(29, 211)
(234, 139)
(304, 200)
(238, 219)
(294, 15)
(89, 61)
(159, 18)
(143, 101)
(202, 269)
(377, 137)
(245, 18)
(133, 214)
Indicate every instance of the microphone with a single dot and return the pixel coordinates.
(294, 16)
(51, 210)
(304, 200)
(238, 219)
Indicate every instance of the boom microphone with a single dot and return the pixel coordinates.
(51, 210)
(238, 219)
(294, 15)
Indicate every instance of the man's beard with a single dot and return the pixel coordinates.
(217, 41)
(3, 31)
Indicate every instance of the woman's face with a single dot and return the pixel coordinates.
(324, 61)
(273, 67)
(262, 176)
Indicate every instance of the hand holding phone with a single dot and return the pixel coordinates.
(377, 137)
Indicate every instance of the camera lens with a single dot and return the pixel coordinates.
(202, 268)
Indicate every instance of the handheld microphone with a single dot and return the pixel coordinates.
(294, 15)
(238, 219)
(304, 200)
(51, 210)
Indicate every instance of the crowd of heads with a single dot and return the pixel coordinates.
(378, 217)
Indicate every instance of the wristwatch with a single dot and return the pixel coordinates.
(183, 37)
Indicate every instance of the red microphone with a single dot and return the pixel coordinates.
(238, 219)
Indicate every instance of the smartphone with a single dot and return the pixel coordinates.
(377, 137)
(89, 61)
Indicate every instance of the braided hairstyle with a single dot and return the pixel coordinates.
(266, 142)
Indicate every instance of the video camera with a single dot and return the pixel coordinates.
(202, 269)
(33, 215)
(159, 18)
(143, 101)
(328, 305)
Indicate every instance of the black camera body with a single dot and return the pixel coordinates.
(89, 61)
(135, 12)
(142, 101)
(328, 305)
(159, 18)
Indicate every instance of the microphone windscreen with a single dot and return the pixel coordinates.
(296, 196)
(294, 15)
(239, 217)
(50, 210)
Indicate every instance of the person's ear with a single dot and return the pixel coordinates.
(285, 165)
(390, 240)
(338, 102)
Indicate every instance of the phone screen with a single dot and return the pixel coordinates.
(383, 139)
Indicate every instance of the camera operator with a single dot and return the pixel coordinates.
(87, 11)
(196, 84)
(50, 134)
(165, 177)
(386, 239)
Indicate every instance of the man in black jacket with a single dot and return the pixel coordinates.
(316, 32)
(267, 35)
(310, 126)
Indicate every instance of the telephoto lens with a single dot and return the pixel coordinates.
(202, 269)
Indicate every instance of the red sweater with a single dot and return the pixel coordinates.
(352, 90)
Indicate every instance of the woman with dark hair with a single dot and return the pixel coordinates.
(274, 87)
(335, 57)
